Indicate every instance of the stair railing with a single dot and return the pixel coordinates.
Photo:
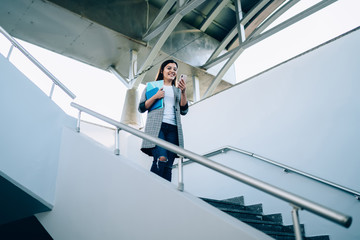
(297, 202)
(37, 63)
(286, 168)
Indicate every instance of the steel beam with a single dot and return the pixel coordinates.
(119, 76)
(273, 17)
(265, 12)
(182, 11)
(288, 22)
(155, 50)
(167, 29)
(254, 11)
(222, 45)
(214, 61)
(164, 10)
(239, 26)
(234, 31)
(218, 60)
(222, 72)
(235, 53)
(214, 12)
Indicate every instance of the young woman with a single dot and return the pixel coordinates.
(165, 122)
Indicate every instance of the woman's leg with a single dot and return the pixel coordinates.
(160, 157)
(172, 137)
(164, 159)
(159, 161)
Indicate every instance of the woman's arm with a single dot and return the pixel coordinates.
(183, 101)
(160, 94)
(182, 86)
(183, 98)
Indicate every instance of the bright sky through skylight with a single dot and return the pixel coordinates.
(328, 23)
(102, 92)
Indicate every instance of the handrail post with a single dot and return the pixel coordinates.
(78, 122)
(181, 177)
(10, 51)
(296, 222)
(52, 90)
(117, 142)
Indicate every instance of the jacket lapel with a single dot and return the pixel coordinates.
(176, 94)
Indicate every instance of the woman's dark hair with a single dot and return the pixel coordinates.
(160, 75)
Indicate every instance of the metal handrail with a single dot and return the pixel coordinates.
(285, 167)
(38, 64)
(296, 201)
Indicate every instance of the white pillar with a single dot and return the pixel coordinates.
(196, 88)
(130, 114)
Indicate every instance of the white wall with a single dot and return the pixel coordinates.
(304, 113)
(96, 195)
(103, 196)
(30, 127)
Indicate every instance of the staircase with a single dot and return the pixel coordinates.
(271, 225)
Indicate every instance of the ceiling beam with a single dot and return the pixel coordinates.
(239, 25)
(214, 61)
(230, 36)
(235, 53)
(222, 72)
(289, 22)
(161, 15)
(182, 11)
(167, 29)
(265, 12)
(213, 14)
(273, 17)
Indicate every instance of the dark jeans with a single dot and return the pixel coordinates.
(168, 133)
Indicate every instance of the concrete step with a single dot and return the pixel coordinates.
(271, 224)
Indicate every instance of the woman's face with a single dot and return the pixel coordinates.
(170, 72)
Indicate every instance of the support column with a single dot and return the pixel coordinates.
(196, 88)
(133, 64)
(130, 114)
(240, 26)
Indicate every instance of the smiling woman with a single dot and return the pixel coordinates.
(164, 122)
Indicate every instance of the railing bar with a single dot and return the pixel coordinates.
(285, 167)
(294, 170)
(38, 64)
(296, 200)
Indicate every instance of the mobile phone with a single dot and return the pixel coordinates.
(183, 77)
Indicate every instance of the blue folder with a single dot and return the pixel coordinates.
(151, 89)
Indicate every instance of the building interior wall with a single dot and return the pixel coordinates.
(303, 113)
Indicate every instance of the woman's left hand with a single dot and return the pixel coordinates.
(182, 83)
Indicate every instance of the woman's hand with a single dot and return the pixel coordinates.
(182, 83)
(160, 94)
(182, 87)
